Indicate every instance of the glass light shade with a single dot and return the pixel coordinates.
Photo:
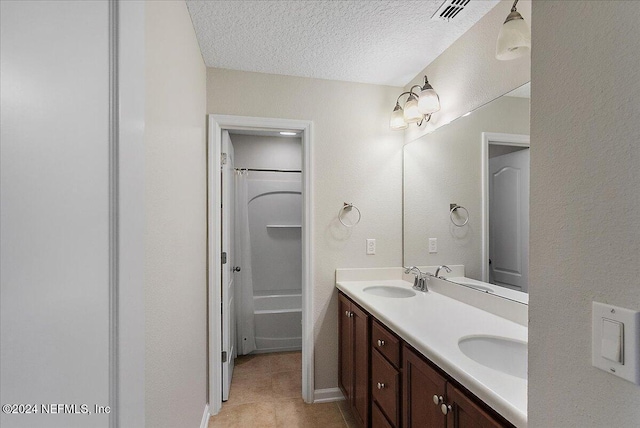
(514, 40)
(428, 102)
(411, 111)
(397, 119)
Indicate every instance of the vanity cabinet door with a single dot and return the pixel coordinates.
(467, 414)
(360, 365)
(345, 347)
(353, 355)
(420, 383)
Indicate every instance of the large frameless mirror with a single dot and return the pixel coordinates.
(466, 193)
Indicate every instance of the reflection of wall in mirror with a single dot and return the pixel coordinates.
(445, 167)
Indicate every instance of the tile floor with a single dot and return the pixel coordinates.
(266, 393)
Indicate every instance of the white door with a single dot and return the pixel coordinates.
(228, 303)
(509, 220)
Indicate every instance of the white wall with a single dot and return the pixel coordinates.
(356, 159)
(253, 151)
(585, 205)
(175, 238)
(68, 272)
(467, 74)
(446, 167)
(55, 246)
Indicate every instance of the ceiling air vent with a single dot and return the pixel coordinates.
(449, 10)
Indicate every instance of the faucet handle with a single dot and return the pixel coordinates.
(407, 270)
(416, 282)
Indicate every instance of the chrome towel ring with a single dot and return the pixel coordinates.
(455, 207)
(348, 207)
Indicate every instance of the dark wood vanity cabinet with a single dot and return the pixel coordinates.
(431, 400)
(385, 375)
(467, 414)
(420, 383)
(390, 385)
(353, 356)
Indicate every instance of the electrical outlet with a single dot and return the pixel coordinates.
(433, 245)
(371, 246)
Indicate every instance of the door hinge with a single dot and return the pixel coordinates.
(224, 258)
(223, 158)
(224, 356)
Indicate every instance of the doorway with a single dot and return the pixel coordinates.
(220, 294)
(505, 232)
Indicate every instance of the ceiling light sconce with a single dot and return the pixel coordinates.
(514, 39)
(418, 107)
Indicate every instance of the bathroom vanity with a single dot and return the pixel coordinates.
(410, 359)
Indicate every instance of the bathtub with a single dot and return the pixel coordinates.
(278, 322)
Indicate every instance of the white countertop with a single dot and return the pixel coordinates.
(433, 323)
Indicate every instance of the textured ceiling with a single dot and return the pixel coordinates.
(382, 42)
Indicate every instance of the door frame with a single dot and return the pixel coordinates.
(227, 273)
(216, 124)
(498, 139)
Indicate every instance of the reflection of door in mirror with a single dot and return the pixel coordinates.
(509, 216)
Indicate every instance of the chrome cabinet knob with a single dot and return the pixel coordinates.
(445, 408)
(437, 399)
(349, 314)
(236, 269)
(381, 385)
(380, 342)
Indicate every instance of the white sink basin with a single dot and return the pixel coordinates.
(389, 291)
(499, 353)
(472, 284)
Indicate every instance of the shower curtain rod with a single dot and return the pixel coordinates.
(267, 170)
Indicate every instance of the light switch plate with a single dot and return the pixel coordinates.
(629, 368)
(433, 245)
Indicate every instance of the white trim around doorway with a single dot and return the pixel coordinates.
(216, 124)
(498, 139)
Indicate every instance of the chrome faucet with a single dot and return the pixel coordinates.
(445, 267)
(420, 281)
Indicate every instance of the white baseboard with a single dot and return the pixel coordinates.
(327, 395)
(205, 417)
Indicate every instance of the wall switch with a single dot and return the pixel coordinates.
(615, 346)
(433, 245)
(611, 340)
(371, 246)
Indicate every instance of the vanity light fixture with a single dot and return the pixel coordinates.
(417, 108)
(514, 39)
(288, 133)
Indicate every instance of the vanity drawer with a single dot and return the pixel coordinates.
(378, 420)
(385, 387)
(386, 343)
